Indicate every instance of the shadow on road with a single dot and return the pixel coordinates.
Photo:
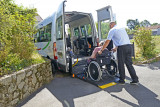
(65, 90)
(144, 96)
(152, 66)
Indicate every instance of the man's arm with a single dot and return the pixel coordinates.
(104, 46)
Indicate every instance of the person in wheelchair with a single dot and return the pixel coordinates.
(96, 64)
(95, 51)
(93, 56)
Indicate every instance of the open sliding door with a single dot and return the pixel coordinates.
(60, 38)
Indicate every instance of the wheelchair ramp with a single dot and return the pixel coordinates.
(105, 82)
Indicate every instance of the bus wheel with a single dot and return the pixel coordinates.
(53, 69)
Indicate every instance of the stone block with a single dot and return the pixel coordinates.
(26, 94)
(34, 71)
(2, 105)
(12, 88)
(40, 78)
(37, 74)
(20, 86)
(30, 89)
(25, 89)
(26, 80)
(14, 77)
(29, 73)
(43, 66)
(37, 86)
(15, 95)
(14, 102)
(6, 80)
(34, 79)
(20, 76)
(1, 96)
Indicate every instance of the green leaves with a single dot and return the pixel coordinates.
(16, 31)
(145, 42)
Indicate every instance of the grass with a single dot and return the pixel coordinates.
(37, 58)
(138, 57)
(22, 64)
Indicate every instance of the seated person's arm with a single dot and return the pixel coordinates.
(97, 49)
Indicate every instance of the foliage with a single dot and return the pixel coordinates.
(157, 47)
(144, 42)
(16, 30)
(104, 29)
(154, 24)
(130, 32)
(145, 23)
(139, 59)
(132, 24)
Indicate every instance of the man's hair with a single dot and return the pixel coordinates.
(112, 22)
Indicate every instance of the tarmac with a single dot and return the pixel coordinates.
(72, 92)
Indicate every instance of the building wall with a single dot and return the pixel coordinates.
(158, 32)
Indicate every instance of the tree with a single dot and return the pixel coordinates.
(144, 42)
(145, 23)
(154, 24)
(132, 24)
(16, 30)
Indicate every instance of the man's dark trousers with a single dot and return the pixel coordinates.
(124, 53)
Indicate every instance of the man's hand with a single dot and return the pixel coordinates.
(99, 52)
(114, 49)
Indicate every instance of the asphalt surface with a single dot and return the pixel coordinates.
(73, 92)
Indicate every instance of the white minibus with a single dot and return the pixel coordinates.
(73, 31)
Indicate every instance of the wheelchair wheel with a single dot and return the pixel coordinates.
(112, 68)
(94, 71)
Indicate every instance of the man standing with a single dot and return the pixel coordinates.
(121, 40)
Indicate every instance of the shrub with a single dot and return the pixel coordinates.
(145, 42)
(16, 31)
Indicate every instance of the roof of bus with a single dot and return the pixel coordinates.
(46, 21)
(71, 15)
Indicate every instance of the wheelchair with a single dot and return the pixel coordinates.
(104, 63)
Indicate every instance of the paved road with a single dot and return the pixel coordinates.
(72, 92)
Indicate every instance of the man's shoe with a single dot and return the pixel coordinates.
(134, 83)
(121, 82)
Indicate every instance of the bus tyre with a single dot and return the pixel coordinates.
(112, 68)
(94, 71)
(53, 69)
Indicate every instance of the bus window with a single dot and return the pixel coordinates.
(104, 29)
(76, 31)
(44, 34)
(36, 37)
(83, 31)
(86, 30)
(59, 29)
(48, 32)
(41, 35)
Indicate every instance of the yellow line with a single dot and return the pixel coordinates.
(107, 85)
(75, 63)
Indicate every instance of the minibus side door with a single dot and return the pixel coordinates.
(60, 38)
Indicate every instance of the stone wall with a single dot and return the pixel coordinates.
(17, 86)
